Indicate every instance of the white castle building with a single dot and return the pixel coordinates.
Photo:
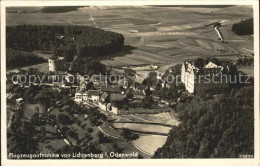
(200, 79)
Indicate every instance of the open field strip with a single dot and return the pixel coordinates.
(122, 60)
(171, 53)
(163, 58)
(143, 59)
(150, 143)
(142, 119)
(164, 117)
(148, 57)
(129, 60)
(143, 127)
(160, 119)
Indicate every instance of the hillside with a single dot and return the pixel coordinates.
(222, 128)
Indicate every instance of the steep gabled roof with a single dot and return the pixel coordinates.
(104, 96)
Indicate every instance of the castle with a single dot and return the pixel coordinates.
(200, 78)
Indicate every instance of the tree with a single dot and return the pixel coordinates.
(147, 102)
(128, 135)
(63, 119)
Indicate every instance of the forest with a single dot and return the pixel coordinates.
(88, 66)
(244, 27)
(59, 9)
(82, 41)
(217, 128)
(18, 58)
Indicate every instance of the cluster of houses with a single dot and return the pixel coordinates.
(111, 97)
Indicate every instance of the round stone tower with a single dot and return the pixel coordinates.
(52, 66)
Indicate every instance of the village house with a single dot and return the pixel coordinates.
(109, 107)
(78, 96)
(93, 95)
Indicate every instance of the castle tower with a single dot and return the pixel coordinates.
(52, 66)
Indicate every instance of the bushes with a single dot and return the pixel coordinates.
(88, 66)
(147, 102)
(245, 61)
(128, 135)
(90, 130)
(64, 119)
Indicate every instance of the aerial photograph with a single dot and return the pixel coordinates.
(130, 82)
